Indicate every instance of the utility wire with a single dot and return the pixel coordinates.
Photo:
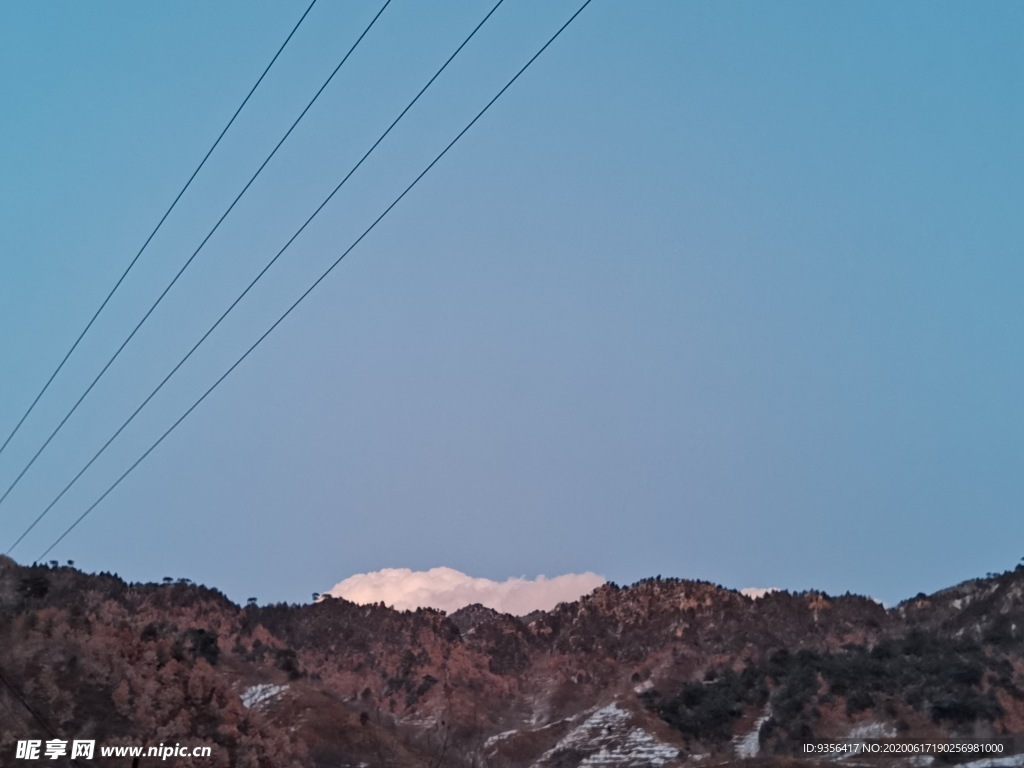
(185, 266)
(20, 697)
(167, 213)
(312, 287)
(255, 280)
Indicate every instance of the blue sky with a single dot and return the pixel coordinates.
(726, 291)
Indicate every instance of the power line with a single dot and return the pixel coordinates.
(159, 224)
(255, 280)
(186, 265)
(20, 697)
(312, 287)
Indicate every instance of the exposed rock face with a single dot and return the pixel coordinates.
(651, 674)
(472, 616)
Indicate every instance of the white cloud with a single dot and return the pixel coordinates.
(755, 593)
(449, 590)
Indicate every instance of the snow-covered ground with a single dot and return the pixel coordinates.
(498, 737)
(872, 731)
(749, 744)
(639, 748)
(610, 741)
(261, 695)
(645, 686)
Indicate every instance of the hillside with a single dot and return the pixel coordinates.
(659, 673)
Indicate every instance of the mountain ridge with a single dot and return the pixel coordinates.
(684, 665)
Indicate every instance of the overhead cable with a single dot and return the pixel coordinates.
(186, 265)
(159, 224)
(311, 288)
(252, 284)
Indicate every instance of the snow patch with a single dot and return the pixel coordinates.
(872, 731)
(257, 696)
(749, 744)
(616, 747)
(498, 737)
(639, 748)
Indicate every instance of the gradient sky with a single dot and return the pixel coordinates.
(729, 291)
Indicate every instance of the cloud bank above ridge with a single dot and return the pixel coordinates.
(448, 589)
(755, 593)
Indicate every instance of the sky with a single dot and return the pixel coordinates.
(725, 291)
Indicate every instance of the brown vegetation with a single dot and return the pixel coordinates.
(95, 657)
